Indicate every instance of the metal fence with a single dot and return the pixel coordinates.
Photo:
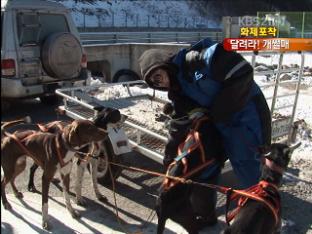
(147, 37)
(291, 24)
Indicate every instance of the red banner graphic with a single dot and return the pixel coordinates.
(270, 44)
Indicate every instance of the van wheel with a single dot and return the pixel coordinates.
(50, 100)
(124, 75)
(103, 174)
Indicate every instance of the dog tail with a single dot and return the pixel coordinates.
(4, 125)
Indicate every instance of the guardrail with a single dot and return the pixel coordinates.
(147, 37)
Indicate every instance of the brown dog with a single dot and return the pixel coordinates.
(51, 152)
(95, 148)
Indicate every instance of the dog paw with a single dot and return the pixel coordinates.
(32, 189)
(75, 214)
(101, 198)
(7, 206)
(19, 195)
(46, 225)
(55, 181)
(81, 202)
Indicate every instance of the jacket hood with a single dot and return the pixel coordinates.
(155, 58)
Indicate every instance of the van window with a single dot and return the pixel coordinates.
(33, 28)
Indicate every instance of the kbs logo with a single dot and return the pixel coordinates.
(267, 26)
(248, 21)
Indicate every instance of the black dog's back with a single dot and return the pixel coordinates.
(255, 217)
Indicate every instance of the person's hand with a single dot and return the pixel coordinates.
(161, 118)
(168, 109)
(178, 128)
(194, 61)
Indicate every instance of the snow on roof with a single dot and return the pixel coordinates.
(31, 4)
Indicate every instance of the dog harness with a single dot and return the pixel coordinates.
(191, 143)
(46, 128)
(60, 128)
(27, 152)
(23, 147)
(264, 192)
(59, 154)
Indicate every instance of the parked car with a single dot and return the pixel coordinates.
(40, 50)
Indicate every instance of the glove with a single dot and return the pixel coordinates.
(198, 113)
(178, 128)
(168, 109)
(194, 61)
(176, 169)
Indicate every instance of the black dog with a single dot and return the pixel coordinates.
(190, 206)
(254, 216)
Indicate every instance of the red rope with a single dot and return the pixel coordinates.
(256, 192)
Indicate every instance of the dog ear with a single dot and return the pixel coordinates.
(288, 150)
(87, 132)
(73, 134)
(107, 115)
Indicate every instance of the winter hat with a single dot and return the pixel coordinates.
(153, 59)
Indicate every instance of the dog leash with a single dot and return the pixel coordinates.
(230, 193)
(119, 220)
(187, 175)
(5, 124)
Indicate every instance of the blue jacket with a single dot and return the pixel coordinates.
(223, 93)
(222, 81)
(225, 86)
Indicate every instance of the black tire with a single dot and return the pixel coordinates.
(61, 55)
(124, 75)
(104, 176)
(50, 100)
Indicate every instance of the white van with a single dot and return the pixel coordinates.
(40, 50)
